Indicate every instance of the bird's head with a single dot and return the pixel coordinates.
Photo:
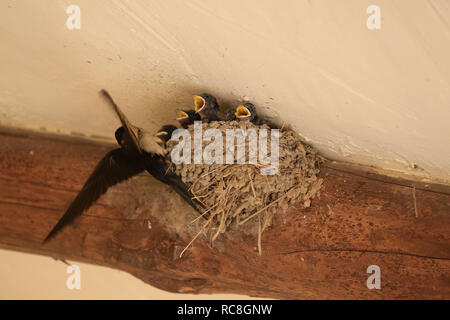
(187, 117)
(165, 132)
(119, 135)
(205, 101)
(245, 112)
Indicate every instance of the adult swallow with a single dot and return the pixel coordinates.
(139, 150)
(246, 112)
(187, 117)
(207, 106)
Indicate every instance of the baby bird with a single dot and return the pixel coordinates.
(165, 132)
(207, 106)
(246, 112)
(187, 117)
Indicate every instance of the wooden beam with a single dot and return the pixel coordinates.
(140, 226)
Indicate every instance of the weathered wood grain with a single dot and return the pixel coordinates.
(140, 226)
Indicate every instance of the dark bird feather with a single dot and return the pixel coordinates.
(139, 151)
(116, 166)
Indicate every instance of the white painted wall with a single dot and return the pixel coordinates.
(377, 97)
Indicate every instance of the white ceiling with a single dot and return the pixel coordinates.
(376, 97)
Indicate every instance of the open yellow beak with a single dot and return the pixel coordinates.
(242, 112)
(161, 134)
(182, 115)
(199, 103)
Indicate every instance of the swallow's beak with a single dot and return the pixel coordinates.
(242, 112)
(182, 115)
(199, 103)
(161, 134)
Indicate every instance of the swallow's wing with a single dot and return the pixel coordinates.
(157, 167)
(128, 127)
(116, 166)
(178, 185)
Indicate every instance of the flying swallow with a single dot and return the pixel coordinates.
(187, 117)
(207, 106)
(139, 150)
(246, 112)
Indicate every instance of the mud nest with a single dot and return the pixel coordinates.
(237, 194)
